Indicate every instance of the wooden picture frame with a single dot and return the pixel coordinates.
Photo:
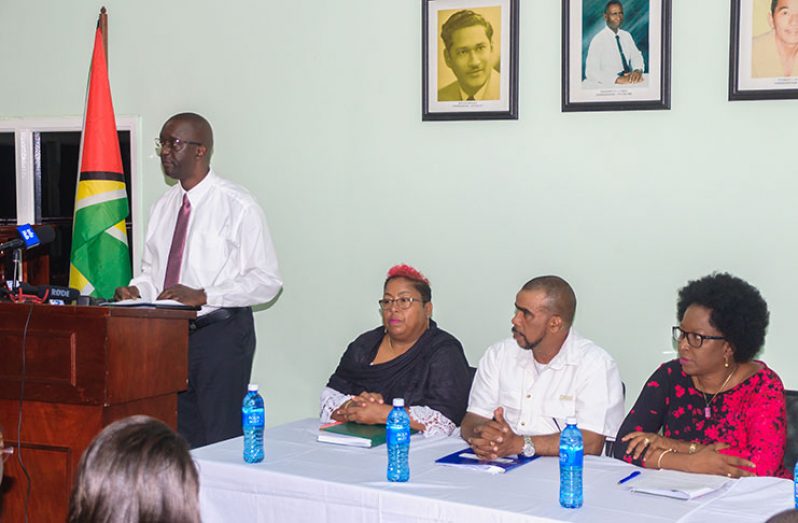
(757, 70)
(596, 75)
(473, 76)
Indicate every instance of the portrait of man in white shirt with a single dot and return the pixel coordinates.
(613, 57)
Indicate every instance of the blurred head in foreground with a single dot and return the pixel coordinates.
(137, 469)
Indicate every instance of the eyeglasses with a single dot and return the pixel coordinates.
(694, 339)
(173, 144)
(403, 302)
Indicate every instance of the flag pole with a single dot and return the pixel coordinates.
(100, 259)
(102, 23)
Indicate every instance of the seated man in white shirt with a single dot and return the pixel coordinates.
(527, 385)
(613, 57)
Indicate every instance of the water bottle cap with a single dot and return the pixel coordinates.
(398, 402)
(252, 387)
(570, 420)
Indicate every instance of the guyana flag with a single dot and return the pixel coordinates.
(100, 259)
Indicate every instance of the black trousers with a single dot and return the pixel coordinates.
(219, 365)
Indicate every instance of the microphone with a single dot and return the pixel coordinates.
(51, 293)
(30, 237)
(44, 293)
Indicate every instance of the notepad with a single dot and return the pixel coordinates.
(353, 434)
(678, 486)
(466, 458)
(158, 304)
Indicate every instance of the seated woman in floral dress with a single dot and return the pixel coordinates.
(715, 409)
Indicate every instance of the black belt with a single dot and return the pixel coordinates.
(216, 316)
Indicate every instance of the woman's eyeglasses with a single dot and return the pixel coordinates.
(403, 302)
(694, 339)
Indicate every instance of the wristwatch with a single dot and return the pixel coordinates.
(529, 447)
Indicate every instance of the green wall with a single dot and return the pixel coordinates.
(316, 108)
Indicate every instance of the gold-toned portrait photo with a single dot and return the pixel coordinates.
(470, 59)
(469, 54)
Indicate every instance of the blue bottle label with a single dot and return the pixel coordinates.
(398, 435)
(571, 459)
(252, 419)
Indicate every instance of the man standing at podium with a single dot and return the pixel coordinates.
(207, 245)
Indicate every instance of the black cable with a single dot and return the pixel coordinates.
(19, 417)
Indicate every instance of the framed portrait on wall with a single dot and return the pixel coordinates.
(763, 52)
(469, 59)
(616, 55)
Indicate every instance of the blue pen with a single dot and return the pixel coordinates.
(633, 475)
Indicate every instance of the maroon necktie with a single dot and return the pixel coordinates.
(172, 277)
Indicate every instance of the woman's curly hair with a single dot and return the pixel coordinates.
(736, 309)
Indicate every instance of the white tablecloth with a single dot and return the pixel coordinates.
(302, 480)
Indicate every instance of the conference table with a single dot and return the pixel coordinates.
(303, 480)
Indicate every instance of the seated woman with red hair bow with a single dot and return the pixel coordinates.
(408, 357)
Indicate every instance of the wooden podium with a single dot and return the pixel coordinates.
(83, 367)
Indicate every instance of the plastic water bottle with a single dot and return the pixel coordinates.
(795, 484)
(572, 450)
(397, 433)
(253, 419)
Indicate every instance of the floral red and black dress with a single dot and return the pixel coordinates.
(750, 417)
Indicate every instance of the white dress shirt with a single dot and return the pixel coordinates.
(604, 62)
(582, 380)
(228, 251)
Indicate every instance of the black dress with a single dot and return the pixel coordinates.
(433, 373)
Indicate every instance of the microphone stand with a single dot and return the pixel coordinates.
(16, 260)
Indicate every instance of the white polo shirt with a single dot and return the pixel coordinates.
(582, 381)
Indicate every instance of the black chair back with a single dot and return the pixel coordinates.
(609, 443)
(791, 450)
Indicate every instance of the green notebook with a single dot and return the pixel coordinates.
(354, 434)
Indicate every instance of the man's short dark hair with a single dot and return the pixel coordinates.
(461, 19)
(773, 4)
(611, 3)
(736, 308)
(560, 297)
(202, 128)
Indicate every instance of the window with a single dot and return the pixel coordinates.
(48, 153)
(8, 180)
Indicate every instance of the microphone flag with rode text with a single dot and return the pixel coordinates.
(100, 260)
